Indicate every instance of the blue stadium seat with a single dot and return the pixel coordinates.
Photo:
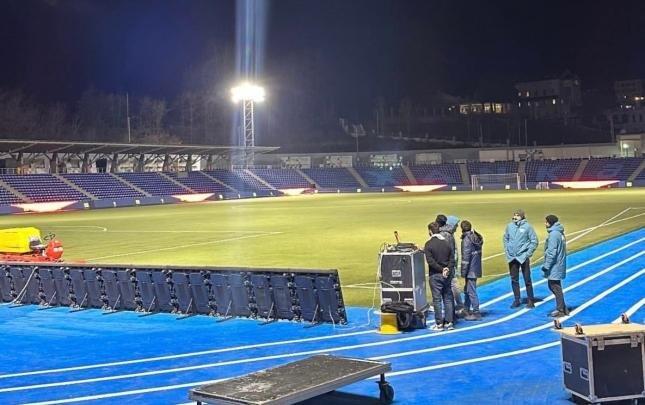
(239, 295)
(47, 294)
(146, 298)
(126, 282)
(283, 297)
(61, 283)
(93, 288)
(328, 299)
(200, 288)
(261, 285)
(162, 291)
(309, 309)
(222, 294)
(182, 298)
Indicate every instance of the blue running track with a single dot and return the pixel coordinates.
(511, 356)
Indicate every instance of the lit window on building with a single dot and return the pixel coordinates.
(553, 101)
(527, 94)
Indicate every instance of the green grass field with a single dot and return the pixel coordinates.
(323, 231)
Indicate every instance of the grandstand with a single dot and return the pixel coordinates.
(447, 173)
(551, 170)
(383, 177)
(332, 178)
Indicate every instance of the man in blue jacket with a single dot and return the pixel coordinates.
(520, 242)
(555, 262)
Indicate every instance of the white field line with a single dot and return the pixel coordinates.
(577, 232)
(310, 352)
(632, 310)
(101, 229)
(547, 325)
(403, 372)
(521, 351)
(283, 342)
(182, 246)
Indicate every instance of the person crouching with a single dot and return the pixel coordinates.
(441, 259)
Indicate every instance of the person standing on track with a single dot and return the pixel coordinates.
(471, 268)
(441, 263)
(555, 262)
(520, 242)
(448, 226)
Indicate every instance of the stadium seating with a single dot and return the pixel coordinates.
(390, 177)
(500, 167)
(102, 185)
(610, 168)
(282, 178)
(153, 183)
(238, 179)
(43, 188)
(198, 182)
(446, 173)
(551, 170)
(7, 197)
(336, 177)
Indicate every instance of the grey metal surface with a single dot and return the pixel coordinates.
(290, 383)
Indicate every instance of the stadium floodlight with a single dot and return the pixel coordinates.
(248, 94)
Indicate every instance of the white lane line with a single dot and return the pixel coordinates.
(310, 352)
(100, 228)
(212, 242)
(402, 372)
(602, 256)
(473, 360)
(516, 352)
(632, 310)
(547, 325)
(282, 342)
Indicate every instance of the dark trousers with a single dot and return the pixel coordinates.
(514, 268)
(471, 300)
(442, 293)
(556, 288)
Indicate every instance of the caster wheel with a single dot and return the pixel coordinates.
(624, 318)
(557, 324)
(579, 330)
(386, 393)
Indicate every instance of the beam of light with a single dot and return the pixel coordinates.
(586, 184)
(44, 207)
(247, 92)
(193, 197)
(421, 188)
(250, 40)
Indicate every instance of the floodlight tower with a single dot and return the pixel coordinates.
(248, 94)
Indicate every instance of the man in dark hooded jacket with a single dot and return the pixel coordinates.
(555, 262)
(471, 268)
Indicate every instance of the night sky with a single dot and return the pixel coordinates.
(55, 49)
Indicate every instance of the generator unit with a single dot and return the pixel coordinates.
(402, 276)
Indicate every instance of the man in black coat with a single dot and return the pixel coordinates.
(441, 260)
(471, 268)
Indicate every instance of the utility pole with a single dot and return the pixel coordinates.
(127, 112)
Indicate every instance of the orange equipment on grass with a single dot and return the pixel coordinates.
(27, 245)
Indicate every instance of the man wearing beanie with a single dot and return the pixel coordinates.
(555, 262)
(520, 242)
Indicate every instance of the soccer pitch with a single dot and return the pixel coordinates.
(326, 231)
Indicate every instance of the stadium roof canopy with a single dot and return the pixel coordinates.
(42, 146)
